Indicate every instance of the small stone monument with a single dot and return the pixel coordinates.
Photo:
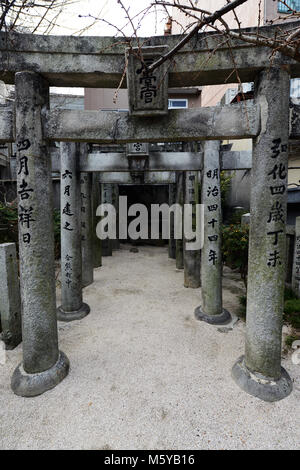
(138, 160)
(138, 148)
(147, 91)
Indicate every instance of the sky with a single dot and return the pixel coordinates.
(69, 22)
(111, 11)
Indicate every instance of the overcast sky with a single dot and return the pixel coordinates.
(69, 23)
(111, 11)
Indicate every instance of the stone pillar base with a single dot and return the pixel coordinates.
(259, 386)
(62, 315)
(221, 319)
(31, 385)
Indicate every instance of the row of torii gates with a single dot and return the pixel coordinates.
(34, 63)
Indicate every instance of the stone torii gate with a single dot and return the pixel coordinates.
(34, 63)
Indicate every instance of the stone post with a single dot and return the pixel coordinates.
(172, 241)
(72, 306)
(96, 201)
(191, 257)
(296, 260)
(115, 201)
(211, 310)
(86, 225)
(106, 197)
(245, 220)
(259, 372)
(179, 200)
(10, 302)
(43, 365)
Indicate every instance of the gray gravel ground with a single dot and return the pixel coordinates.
(146, 375)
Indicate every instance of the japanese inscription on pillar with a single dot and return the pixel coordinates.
(277, 177)
(26, 206)
(67, 215)
(297, 259)
(147, 91)
(83, 209)
(212, 216)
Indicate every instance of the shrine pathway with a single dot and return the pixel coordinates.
(146, 375)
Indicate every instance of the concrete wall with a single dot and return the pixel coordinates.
(100, 98)
(248, 15)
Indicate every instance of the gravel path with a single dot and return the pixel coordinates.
(146, 375)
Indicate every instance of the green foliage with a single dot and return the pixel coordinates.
(235, 245)
(292, 312)
(289, 294)
(9, 226)
(290, 339)
(8, 223)
(225, 182)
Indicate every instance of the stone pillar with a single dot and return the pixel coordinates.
(115, 201)
(43, 365)
(106, 197)
(191, 257)
(211, 310)
(10, 302)
(179, 200)
(296, 260)
(72, 306)
(259, 372)
(96, 201)
(86, 225)
(172, 241)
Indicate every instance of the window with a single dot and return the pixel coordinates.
(293, 4)
(178, 103)
(295, 88)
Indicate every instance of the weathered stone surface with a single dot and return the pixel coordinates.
(115, 202)
(147, 91)
(86, 225)
(179, 200)
(258, 386)
(72, 306)
(191, 257)
(238, 121)
(296, 261)
(36, 240)
(211, 309)
(99, 61)
(96, 201)
(106, 198)
(158, 161)
(172, 241)
(7, 131)
(32, 385)
(137, 149)
(267, 248)
(149, 178)
(239, 160)
(10, 302)
(236, 160)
